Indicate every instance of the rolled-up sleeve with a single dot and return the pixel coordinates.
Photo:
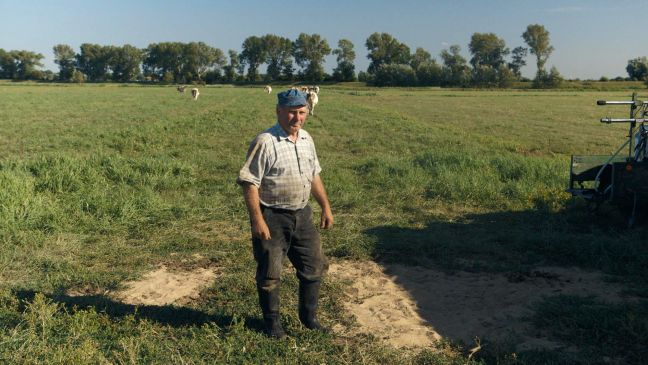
(255, 164)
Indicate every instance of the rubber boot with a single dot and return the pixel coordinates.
(269, 302)
(308, 296)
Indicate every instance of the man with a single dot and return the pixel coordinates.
(279, 175)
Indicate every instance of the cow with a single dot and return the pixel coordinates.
(181, 89)
(195, 93)
(268, 89)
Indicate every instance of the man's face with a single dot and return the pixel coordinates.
(292, 118)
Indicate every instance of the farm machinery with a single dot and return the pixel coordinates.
(620, 178)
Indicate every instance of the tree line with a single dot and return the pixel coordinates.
(392, 63)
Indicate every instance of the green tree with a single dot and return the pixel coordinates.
(537, 38)
(125, 63)
(420, 57)
(288, 69)
(517, 62)
(253, 55)
(309, 52)
(487, 49)
(637, 68)
(229, 71)
(345, 70)
(94, 60)
(199, 58)
(163, 61)
(455, 67)
(64, 56)
(385, 49)
(488, 64)
(278, 55)
(26, 63)
(555, 79)
(7, 65)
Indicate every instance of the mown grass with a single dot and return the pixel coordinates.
(100, 183)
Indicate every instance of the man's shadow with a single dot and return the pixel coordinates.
(174, 316)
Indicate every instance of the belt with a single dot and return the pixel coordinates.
(281, 210)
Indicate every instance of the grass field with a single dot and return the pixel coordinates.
(103, 183)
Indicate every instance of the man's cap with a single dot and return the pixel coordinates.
(291, 97)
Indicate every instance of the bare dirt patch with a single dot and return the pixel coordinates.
(162, 287)
(173, 283)
(414, 306)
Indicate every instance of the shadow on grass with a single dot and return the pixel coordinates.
(166, 315)
(486, 269)
(518, 240)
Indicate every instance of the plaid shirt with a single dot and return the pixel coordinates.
(282, 170)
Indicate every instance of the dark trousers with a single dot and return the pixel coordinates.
(293, 235)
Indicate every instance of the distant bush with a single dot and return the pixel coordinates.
(364, 77)
(488, 76)
(78, 77)
(550, 80)
(395, 75)
(168, 77)
(638, 68)
(429, 74)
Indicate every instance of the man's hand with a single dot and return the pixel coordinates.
(260, 229)
(318, 191)
(258, 225)
(326, 221)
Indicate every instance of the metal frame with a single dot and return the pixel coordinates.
(603, 185)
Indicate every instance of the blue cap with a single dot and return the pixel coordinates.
(291, 97)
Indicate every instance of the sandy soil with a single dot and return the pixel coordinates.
(164, 286)
(414, 306)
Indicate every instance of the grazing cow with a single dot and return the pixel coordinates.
(312, 99)
(268, 89)
(181, 88)
(195, 93)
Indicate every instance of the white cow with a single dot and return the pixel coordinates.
(268, 89)
(195, 93)
(312, 99)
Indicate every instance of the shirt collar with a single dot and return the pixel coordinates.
(279, 132)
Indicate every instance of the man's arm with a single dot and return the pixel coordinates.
(257, 223)
(318, 191)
